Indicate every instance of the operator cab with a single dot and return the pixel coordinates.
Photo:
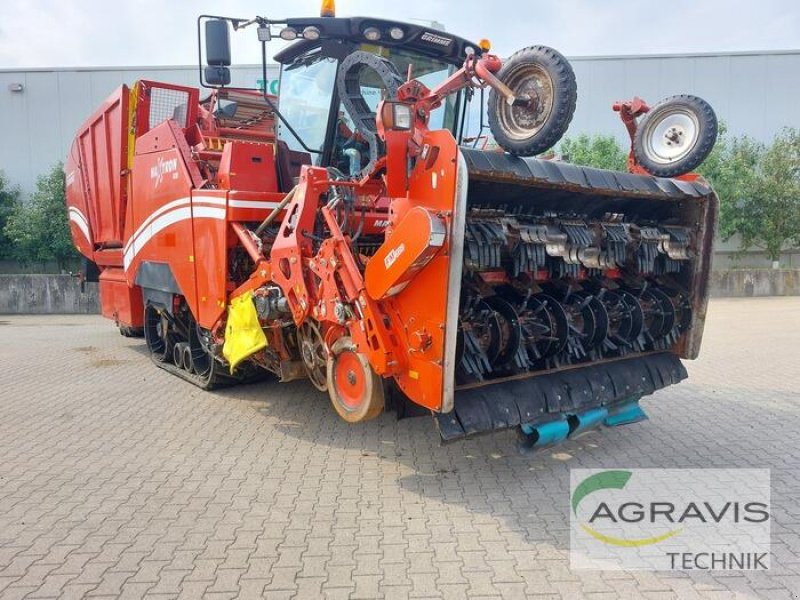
(310, 97)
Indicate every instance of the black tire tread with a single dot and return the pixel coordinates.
(128, 331)
(565, 100)
(709, 128)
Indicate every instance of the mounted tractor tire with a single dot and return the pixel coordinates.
(545, 78)
(676, 136)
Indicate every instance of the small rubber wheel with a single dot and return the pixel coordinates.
(186, 359)
(356, 391)
(676, 136)
(156, 334)
(127, 331)
(544, 78)
(201, 359)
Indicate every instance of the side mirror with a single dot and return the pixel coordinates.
(218, 52)
(217, 76)
(218, 43)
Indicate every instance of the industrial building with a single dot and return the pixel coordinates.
(754, 93)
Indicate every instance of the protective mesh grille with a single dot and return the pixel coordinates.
(168, 104)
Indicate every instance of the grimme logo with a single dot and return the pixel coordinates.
(433, 38)
(637, 517)
(161, 168)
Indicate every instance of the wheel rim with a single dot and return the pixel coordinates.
(350, 380)
(201, 359)
(670, 136)
(314, 354)
(155, 336)
(522, 122)
(188, 364)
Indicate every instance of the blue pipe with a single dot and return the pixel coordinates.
(549, 434)
(626, 413)
(590, 419)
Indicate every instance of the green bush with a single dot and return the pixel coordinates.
(38, 228)
(9, 197)
(600, 151)
(759, 190)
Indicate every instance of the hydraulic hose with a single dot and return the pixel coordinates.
(271, 216)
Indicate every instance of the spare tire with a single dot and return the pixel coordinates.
(546, 78)
(676, 136)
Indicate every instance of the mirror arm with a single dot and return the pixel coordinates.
(274, 108)
(482, 126)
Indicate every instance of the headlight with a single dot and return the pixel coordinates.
(402, 116)
(288, 34)
(373, 34)
(396, 33)
(396, 115)
(311, 33)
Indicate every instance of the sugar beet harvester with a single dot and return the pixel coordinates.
(342, 233)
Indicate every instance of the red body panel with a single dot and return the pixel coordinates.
(422, 304)
(210, 256)
(102, 149)
(160, 229)
(116, 233)
(96, 173)
(119, 301)
(248, 167)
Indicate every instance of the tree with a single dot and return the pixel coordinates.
(9, 196)
(771, 218)
(759, 190)
(38, 227)
(600, 151)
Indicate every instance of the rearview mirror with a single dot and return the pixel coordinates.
(218, 43)
(217, 76)
(218, 53)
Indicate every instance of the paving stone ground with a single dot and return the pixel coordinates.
(120, 480)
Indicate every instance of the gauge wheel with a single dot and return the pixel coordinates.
(314, 354)
(543, 79)
(675, 136)
(356, 391)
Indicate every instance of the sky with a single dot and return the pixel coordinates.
(84, 33)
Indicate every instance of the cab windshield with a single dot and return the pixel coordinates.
(310, 103)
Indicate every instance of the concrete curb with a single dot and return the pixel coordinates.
(47, 294)
(742, 283)
(63, 294)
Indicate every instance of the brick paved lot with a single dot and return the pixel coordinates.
(117, 479)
